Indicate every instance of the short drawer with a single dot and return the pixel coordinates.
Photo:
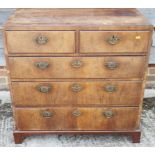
(114, 41)
(40, 41)
(77, 118)
(126, 93)
(74, 67)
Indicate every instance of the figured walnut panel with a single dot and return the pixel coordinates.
(91, 67)
(87, 119)
(129, 41)
(25, 42)
(126, 93)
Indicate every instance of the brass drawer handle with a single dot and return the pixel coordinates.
(47, 114)
(110, 88)
(112, 40)
(108, 114)
(76, 87)
(41, 65)
(111, 65)
(76, 113)
(76, 63)
(44, 89)
(41, 40)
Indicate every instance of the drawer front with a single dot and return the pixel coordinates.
(77, 118)
(114, 41)
(82, 67)
(77, 93)
(40, 41)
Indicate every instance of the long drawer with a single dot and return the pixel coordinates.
(114, 41)
(77, 67)
(126, 93)
(77, 118)
(40, 42)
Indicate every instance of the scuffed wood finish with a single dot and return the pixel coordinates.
(83, 19)
(90, 119)
(92, 67)
(130, 41)
(92, 93)
(77, 35)
(25, 42)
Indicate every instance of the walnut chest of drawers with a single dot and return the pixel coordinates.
(77, 71)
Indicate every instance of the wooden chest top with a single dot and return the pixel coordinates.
(83, 19)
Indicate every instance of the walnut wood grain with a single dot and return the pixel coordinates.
(92, 67)
(83, 19)
(91, 93)
(90, 119)
(129, 41)
(77, 34)
(25, 42)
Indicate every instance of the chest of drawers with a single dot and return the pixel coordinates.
(78, 71)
